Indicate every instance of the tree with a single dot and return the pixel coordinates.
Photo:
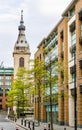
(18, 95)
(44, 79)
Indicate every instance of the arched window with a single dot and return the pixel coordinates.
(21, 62)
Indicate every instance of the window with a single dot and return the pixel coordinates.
(73, 38)
(1, 93)
(21, 41)
(1, 82)
(80, 14)
(72, 12)
(72, 72)
(8, 78)
(1, 77)
(0, 107)
(8, 82)
(17, 48)
(6, 92)
(8, 87)
(73, 77)
(0, 100)
(21, 62)
(73, 43)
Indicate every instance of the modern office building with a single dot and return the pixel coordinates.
(65, 41)
(6, 78)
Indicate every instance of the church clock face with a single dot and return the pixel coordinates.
(21, 52)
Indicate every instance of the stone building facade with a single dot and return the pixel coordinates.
(21, 57)
(21, 52)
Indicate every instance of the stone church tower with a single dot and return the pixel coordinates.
(21, 52)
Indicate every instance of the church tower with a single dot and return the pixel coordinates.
(21, 52)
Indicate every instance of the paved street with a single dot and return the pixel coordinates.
(7, 124)
(41, 127)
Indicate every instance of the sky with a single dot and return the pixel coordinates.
(40, 17)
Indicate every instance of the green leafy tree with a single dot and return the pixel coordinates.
(44, 80)
(18, 94)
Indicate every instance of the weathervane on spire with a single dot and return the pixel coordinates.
(21, 27)
(22, 15)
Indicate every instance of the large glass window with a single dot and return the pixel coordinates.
(1, 77)
(73, 38)
(8, 78)
(1, 80)
(72, 77)
(7, 87)
(73, 43)
(1, 91)
(8, 82)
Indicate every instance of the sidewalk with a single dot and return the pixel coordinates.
(41, 127)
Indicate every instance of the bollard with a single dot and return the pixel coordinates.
(28, 124)
(15, 119)
(33, 126)
(25, 123)
(21, 121)
(49, 126)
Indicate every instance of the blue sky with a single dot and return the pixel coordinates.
(40, 17)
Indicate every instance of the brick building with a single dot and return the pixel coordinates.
(6, 78)
(66, 37)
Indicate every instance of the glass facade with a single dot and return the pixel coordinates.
(51, 55)
(73, 43)
(54, 112)
(73, 38)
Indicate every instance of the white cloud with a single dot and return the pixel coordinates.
(40, 16)
(51, 7)
(46, 6)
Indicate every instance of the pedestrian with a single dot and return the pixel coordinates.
(45, 127)
(17, 128)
